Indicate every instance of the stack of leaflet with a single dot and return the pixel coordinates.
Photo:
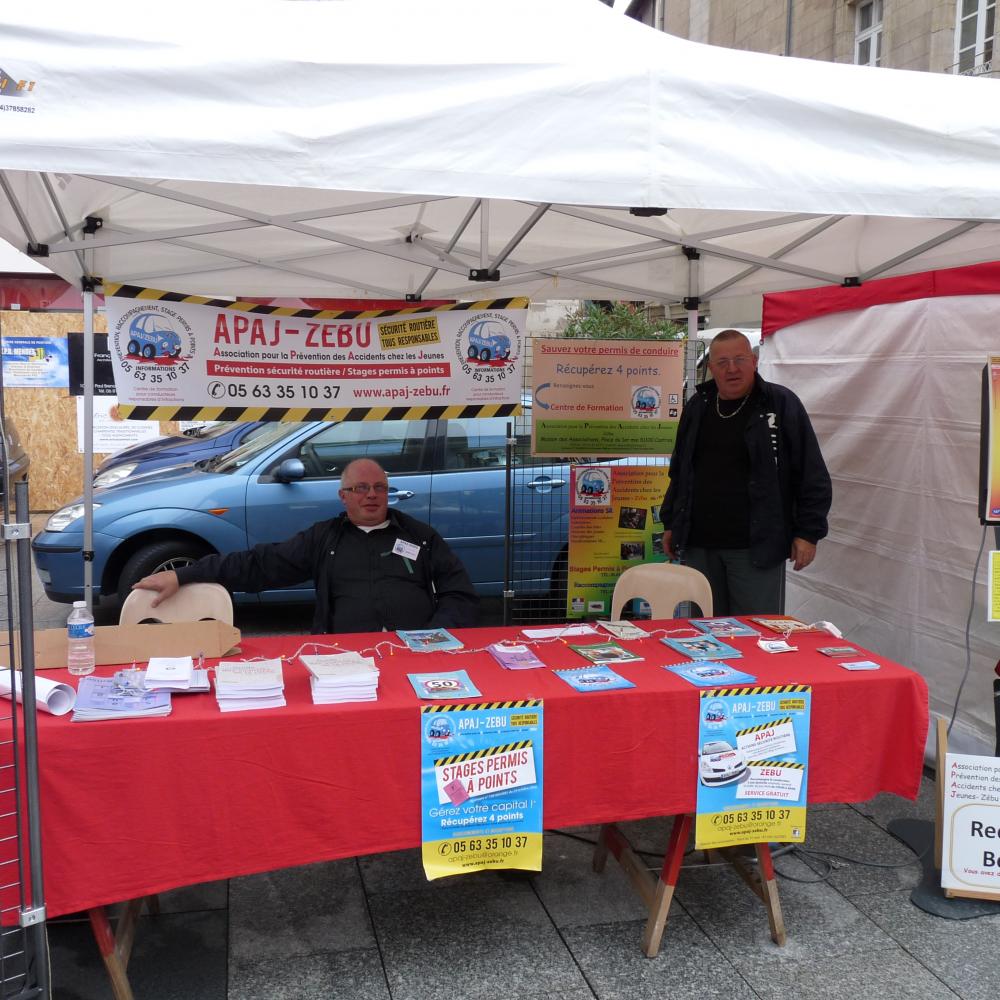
(174, 673)
(118, 697)
(240, 685)
(337, 677)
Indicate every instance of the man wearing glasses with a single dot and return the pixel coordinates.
(748, 485)
(373, 568)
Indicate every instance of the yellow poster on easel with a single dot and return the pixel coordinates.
(993, 588)
(992, 511)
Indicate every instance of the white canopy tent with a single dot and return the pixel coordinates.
(463, 149)
(351, 149)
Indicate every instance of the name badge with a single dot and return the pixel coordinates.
(406, 549)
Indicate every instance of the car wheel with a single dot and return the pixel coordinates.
(148, 351)
(155, 558)
(175, 353)
(133, 347)
(473, 353)
(484, 354)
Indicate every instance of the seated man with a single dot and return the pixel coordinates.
(373, 568)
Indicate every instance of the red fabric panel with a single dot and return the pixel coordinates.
(783, 309)
(143, 805)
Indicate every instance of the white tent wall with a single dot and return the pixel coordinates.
(894, 395)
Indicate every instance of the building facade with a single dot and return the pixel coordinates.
(937, 36)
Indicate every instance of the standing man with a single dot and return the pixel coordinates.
(748, 484)
(373, 568)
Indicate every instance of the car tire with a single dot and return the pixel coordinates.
(154, 558)
(176, 353)
(484, 354)
(133, 347)
(148, 351)
(473, 353)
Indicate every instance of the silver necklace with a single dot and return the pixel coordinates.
(726, 416)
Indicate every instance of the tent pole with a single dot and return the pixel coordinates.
(88, 442)
(692, 303)
(484, 234)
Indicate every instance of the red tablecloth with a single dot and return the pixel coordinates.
(137, 806)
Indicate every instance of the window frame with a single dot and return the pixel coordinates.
(982, 46)
(872, 34)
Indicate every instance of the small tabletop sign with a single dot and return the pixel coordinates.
(481, 787)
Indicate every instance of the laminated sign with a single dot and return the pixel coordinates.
(481, 787)
(753, 757)
(186, 357)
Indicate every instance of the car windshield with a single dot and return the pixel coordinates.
(208, 431)
(716, 748)
(239, 457)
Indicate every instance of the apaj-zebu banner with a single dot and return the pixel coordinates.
(185, 357)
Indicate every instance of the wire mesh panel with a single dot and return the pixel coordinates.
(539, 503)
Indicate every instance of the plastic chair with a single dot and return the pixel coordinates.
(664, 586)
(193, 602)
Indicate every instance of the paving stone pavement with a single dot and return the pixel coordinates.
(372, 928)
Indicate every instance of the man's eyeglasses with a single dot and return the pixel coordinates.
(738, 362)
(362, 488)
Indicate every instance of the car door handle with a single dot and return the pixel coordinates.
(400, 495)
(544, 482)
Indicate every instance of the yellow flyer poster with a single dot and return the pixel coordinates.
(614, 523)
(606, 398)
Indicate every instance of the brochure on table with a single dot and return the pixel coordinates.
(753, 765)
(481, 770)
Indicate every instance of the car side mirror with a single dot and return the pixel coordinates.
(291, 470)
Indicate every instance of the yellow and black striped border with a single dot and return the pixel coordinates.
(531, 703)
(790, 765)
(762, 726)
(744, 691)
(478, 754)
(303, 413)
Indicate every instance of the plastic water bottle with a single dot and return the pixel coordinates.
(80, 657)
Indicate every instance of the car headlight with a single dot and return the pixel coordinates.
(115, 475)
(63, 518)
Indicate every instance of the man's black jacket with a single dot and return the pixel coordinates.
(361, 585)
(789, 488)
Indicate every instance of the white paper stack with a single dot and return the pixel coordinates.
(240, 686)
(338, 677)
(169, 673)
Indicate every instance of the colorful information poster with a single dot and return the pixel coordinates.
(614, 523)
(481, 770)
(110, 432)
(992, 512)
(970, 855)
(753, 765)
(35, 363)
(606, 398)
(303, 364)
(993, 595)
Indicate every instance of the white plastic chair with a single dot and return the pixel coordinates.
(193, 602)
(664, 586)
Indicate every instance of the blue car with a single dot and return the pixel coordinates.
(448, 473)
(176, 450)
(488, 342)
(151, 336)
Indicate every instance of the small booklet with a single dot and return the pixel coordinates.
(837, 651)
(605, 652)
(559, 631)
(776, 646)
(341, 677)
(784, 624)
(859, 665)
(597, 678)
(199, 681)
(428, 640)
(624, 630)
(169, 673)
(723, 628)
(105, 698)
(446, 684)
(514, 656)
(704, 647)
(244, 685)
(707, 673)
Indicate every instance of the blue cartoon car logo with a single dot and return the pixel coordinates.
(592, 484)
(151, 336)
(646, 401)
(488, 342)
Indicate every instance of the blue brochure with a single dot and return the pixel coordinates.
(704, 647)
(722, 628)
(445, 684)
(428, 640)
(597, 678)
(708, 673)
